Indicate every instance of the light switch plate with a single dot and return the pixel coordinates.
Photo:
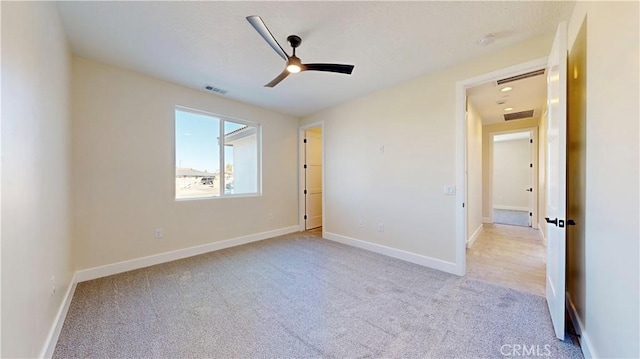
(449, 190)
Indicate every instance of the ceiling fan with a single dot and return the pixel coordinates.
(294, 65)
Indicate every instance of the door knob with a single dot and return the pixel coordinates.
(552, 221)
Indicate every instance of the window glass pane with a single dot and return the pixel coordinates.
(197, 155)
(241, 158)
(228, 170)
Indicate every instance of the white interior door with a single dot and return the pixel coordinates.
(313, 180)
(556, 178)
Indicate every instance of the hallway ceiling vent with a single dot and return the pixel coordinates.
(215, 89)
(521, 77)
(518, 115)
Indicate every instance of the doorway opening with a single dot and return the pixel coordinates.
(552, 188)
(311, 178)
(513, 178)
(503, 112)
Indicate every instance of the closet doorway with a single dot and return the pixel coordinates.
(311, 177)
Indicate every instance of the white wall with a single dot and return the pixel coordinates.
(612, 272)
(36, 182)
(403, 187)
(511, 174)
(474, 171)
(123, 136)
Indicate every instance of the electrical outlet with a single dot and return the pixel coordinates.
(380, 227)
(381, 149)
(53, 285)
(158, 233)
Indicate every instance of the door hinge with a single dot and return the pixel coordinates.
(305, 140)
(305, 191)
(462, 204)
(305, 217)
(530, 140)
(530, 214)
(305, 166)
(531, 165)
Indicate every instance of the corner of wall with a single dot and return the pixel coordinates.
(37, 233)
(475, 235)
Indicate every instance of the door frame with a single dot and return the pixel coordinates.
(301, 158)
(461, 149)
(533, 156)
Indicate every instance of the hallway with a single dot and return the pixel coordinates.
(509, 255)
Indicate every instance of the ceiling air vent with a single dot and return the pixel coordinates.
(521, 76)
(518, 115)
(215, 89)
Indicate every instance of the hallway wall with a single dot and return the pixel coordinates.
(511, 174)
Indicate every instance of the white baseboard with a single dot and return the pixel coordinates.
(487, 220)
(573, 313)
(544, 239)
(475, 235)
(434, 263)
(587, 346)
(125, 266)
(585, 342)
(512, 208)
(56, 328)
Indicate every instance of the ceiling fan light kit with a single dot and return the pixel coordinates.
(294, 64)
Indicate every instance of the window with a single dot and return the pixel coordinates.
(209, 164)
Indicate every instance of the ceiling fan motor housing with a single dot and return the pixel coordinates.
(294, 40)
(293, 65)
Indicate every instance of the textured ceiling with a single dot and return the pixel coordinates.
(198, 43)
(526, 94)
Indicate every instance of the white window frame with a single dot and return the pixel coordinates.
(222, 119)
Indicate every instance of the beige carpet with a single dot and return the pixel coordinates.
(301, 296)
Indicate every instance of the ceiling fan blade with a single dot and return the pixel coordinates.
(277, 80)
(343, 69)
(261, 28)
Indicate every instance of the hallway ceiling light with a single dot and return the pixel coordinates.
(506, 89)
(508, 109)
